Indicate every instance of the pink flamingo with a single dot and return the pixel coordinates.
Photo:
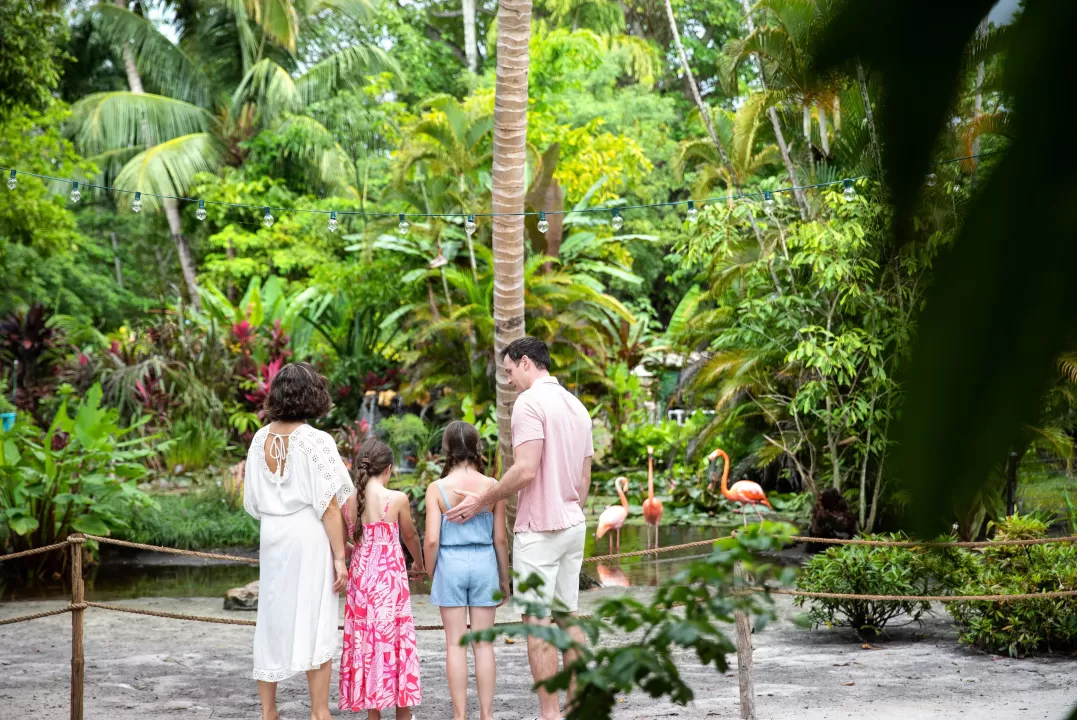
(613, 517)
(652, 506)
(745, 492)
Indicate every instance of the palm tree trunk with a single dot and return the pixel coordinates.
(824, 129)
(772, 113)
(471, 46)
(509, 162)
(705, 113)
(175, 226)
(116, 259)
(875, 147)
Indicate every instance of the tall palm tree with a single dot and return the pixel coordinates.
(509, 165)
(232, 73)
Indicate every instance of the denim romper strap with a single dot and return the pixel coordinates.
(479, 530)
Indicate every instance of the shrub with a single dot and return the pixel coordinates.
(868, 570)
(79, 475)
(1025, 626)
(195, 521)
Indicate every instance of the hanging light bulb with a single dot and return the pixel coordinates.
(768, 201)
(617, 222)
(200, 213)
(849, 193)
(403, 227)
(931, 179)
(267, 217)
(470, 227)
(136, 206)
(543, 224)
(75, 194)
(333, 224)
(692, 213)
(11, 181)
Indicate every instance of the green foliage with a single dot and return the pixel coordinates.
(79, 475)
(1024, 626)
(44, 258)
(686, 614)
(194, 443)
(407, 434)
(32, 35)
(867, 570)
(201, 520)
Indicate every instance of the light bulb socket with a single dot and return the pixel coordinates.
(847, 183)
(332, 214)
(12, 175)
(201, 204)
(265, 211)
(471, 218)
(768, 197)
(74, 186)
(691, 205)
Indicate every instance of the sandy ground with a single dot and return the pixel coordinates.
(143, 667)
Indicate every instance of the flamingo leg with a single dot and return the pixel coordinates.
(744, 515)
(655, 537)
(759, 514)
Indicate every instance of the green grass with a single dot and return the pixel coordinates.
(195, 521)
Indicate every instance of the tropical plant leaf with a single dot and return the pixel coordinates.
(169, 168)
(158, 59)
(115, 120)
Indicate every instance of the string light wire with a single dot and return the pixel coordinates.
(267, 210)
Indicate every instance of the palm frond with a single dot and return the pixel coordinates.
(168, 168)
(158, 59)
(270, 88)
(346, 68)
(113, 120)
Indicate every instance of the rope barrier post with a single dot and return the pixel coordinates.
(77, 599)
(744, 658)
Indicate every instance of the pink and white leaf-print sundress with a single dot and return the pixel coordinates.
(296, 628)
(379, 668)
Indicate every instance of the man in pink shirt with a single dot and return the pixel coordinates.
(552, 449)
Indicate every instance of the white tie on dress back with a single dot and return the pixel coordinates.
(278, 450)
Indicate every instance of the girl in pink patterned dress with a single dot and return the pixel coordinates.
(380, 665)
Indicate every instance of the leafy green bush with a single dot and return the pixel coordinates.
(196, 443)
(1025, 626)
(867, 570)
(79, 475)
(195, 521)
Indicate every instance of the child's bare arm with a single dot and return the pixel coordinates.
(408, 533)
(432, 541)
(334, 528)
(501, 550)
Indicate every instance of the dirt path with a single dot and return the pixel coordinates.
(142, 667)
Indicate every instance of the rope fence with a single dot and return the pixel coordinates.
(78, 604)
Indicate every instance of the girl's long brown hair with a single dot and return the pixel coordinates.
(461, 443)
(374, 456)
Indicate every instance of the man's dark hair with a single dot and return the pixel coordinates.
(532, 348)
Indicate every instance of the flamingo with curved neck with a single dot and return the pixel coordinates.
(613, 517)
(652, 506)
(744, 492)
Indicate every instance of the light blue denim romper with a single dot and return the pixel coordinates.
(466, 573)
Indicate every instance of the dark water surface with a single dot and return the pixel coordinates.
(122, 574)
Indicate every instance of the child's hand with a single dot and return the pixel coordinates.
(506, 592)
(349, 548)
(417, 568)
(340, 572)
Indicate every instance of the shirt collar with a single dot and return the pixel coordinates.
(549, 379)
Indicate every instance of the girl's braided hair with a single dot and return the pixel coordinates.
(461, 443)
(374, 456)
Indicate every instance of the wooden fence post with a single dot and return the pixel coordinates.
(77, 598)
(744, 658)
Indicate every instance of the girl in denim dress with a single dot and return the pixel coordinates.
(468, 563)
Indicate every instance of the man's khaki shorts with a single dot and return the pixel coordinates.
(557, 558)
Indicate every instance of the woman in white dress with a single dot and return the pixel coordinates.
(295, 484)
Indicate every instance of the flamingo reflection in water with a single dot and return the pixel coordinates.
(612, 576)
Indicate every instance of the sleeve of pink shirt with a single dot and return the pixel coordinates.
(526, 422)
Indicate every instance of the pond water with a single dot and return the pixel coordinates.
(122, 575)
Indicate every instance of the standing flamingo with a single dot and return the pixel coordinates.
(652, 506)
(613, 517)
(745, 492)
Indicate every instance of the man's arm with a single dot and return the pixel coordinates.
(527, 456)
(585, 482)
